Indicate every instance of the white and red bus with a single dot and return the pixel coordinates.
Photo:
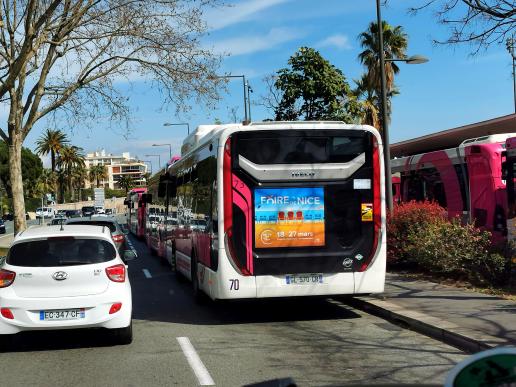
(466, 180)
(136, 211)
(274, 209)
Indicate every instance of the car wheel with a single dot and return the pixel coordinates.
(124, 336)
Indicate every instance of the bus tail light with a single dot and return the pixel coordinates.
(228, 209)
(377, 205)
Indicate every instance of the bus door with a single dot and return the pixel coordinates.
(302, 201)
(487, 191)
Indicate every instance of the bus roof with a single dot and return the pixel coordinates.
(203, 133)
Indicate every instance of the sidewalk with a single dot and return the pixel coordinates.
(469, 320)
(6, 240)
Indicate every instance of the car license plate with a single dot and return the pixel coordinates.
(63, 314)
(304, 279)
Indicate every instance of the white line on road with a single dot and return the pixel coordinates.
(203, 376)
(147, 273)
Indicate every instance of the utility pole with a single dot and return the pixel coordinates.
(385, 126)
(511, 42)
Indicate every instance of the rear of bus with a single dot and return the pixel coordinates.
(303, 210)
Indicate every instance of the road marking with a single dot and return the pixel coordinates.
(5, 236)
(147, 273)
(203, 376)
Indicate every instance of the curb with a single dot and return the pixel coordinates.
(435, 328)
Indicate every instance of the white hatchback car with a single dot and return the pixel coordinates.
(64, 278)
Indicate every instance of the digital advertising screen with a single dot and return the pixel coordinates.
(288, 217)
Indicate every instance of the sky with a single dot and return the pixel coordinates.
(450, 90)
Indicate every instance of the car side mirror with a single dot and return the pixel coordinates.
(130, 255)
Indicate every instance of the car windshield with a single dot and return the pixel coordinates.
(60, 251)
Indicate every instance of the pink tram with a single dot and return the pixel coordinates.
(466, 180)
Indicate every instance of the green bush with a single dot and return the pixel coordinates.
(409, 217)
(455, 250)
(420, 235)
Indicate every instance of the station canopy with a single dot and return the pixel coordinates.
(452, 138)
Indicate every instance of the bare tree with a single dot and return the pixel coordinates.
(233, 114)
(272, 99)
(479, 22)
(62, 58)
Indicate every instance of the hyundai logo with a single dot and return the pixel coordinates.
(60, 275)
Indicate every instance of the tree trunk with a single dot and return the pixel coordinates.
(15, 173)
(72, 191)
(53, 159)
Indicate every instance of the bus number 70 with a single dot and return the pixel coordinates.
(234, 284)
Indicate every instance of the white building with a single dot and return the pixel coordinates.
(116, 166)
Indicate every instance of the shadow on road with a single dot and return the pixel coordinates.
(165, 298)
(58, 340)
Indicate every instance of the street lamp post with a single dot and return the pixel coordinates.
(169, 149)
(511, 42)
(247, 116)
(249, 90)
(416, 59)
(182, 123)
(150, 162)
(159, 160)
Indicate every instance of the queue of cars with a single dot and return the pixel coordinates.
(72, 275)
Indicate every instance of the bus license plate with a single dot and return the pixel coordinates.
(59, 315)
(304, 279)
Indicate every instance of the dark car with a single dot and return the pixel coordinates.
(117, 233)
(88, 211)
(7, 216)
(2, 227)
(73, 214)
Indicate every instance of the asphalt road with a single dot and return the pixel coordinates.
(315, 341)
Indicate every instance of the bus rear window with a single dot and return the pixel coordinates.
(301, 148)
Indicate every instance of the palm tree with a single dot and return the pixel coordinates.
(70, 157)
(52, 141)
(97, 173)
(395, 42)
(47, 182)
(79, 175)
(125, 182)
(370, 114)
